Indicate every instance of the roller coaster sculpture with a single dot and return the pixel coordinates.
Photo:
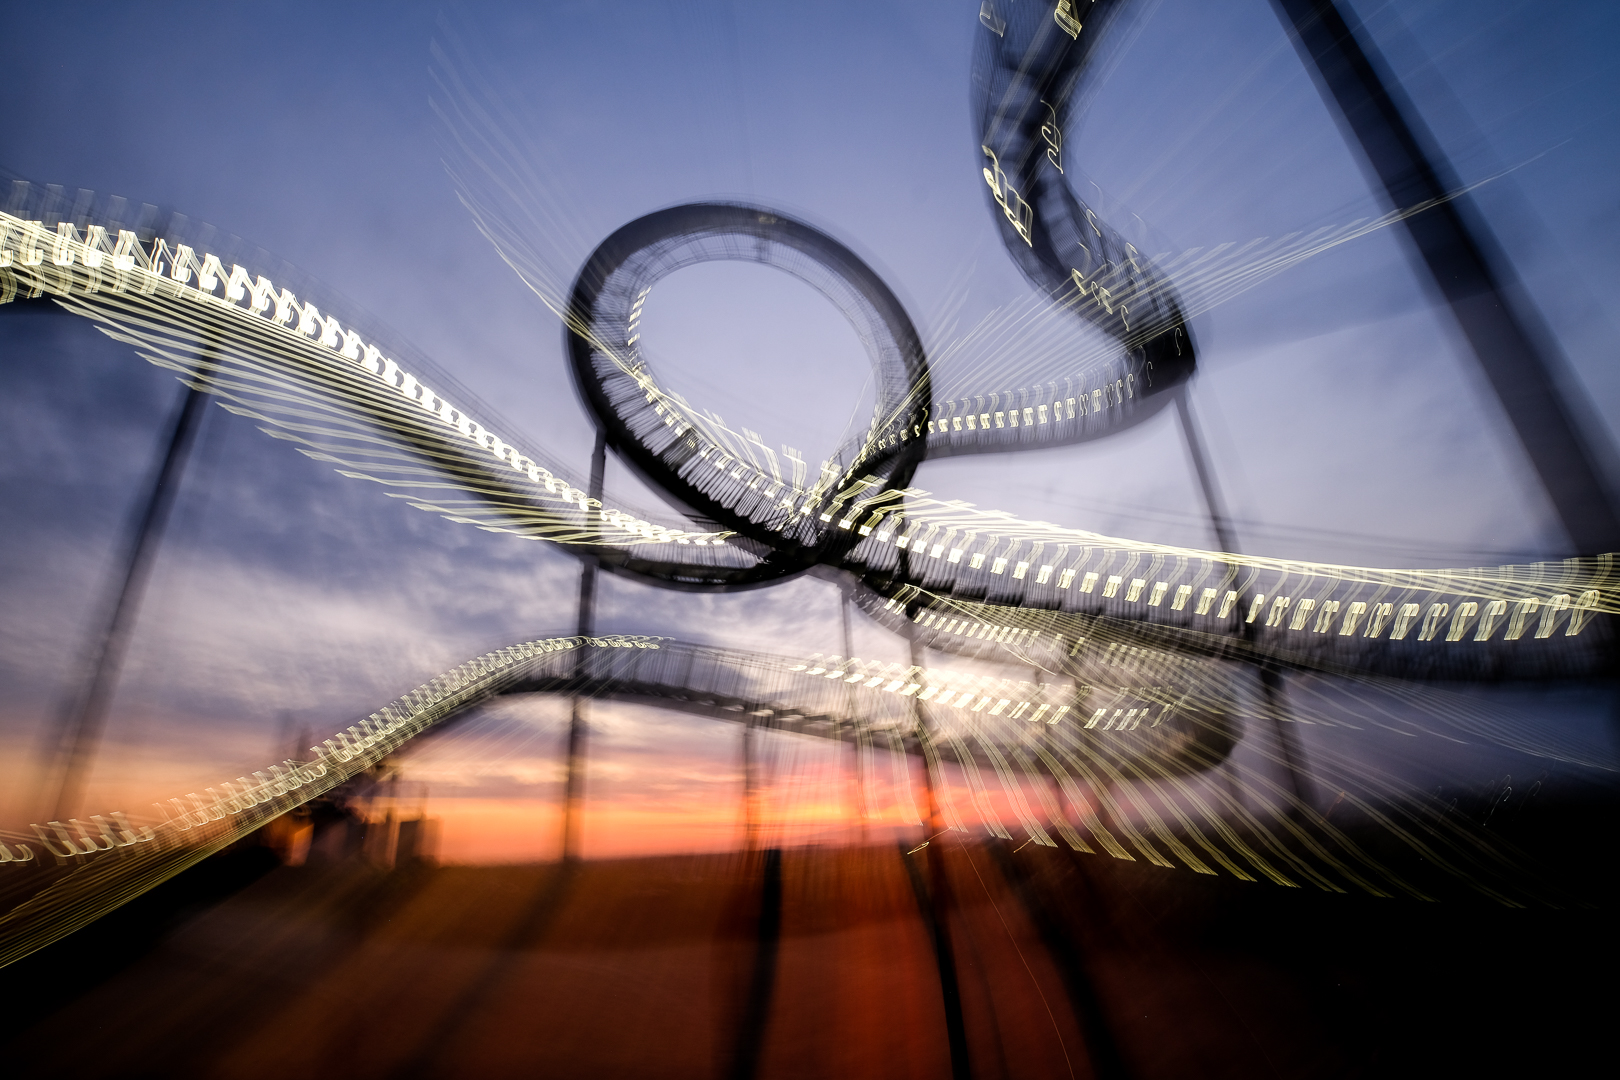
(1140, 648)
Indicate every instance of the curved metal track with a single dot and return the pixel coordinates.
(1000, 753)
(1132, 639)
(645, 426)
(1029, 59)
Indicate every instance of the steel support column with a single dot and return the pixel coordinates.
(1477, 282)
(574, 786)
(79, 725)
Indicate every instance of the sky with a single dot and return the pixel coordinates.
(1345, 418)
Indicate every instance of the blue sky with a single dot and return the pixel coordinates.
(1346, 419)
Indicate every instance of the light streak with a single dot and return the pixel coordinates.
(1140, 703)
(96, 869)
(1567, 595)
(276, 326)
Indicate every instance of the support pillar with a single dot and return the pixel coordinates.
(84, 714)
(574, 785)
(1514, 350)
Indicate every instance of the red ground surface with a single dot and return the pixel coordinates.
(1067, 965)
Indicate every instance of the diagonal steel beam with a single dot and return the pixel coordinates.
(1467, 266)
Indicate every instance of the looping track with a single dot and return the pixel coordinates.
(1134, 642)
(649, 429)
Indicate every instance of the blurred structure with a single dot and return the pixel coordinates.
(1081, 716)
(1514, 350)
